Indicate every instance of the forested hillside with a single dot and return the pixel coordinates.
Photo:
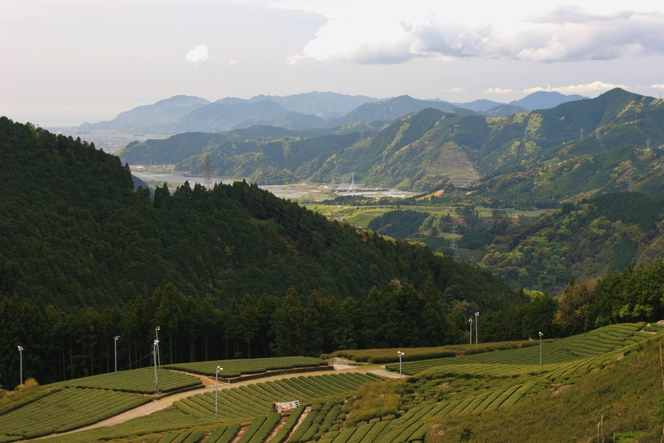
(592, 238)
(77, 237)
(78, 234)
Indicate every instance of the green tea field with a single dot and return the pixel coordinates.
(611, 375)
(234, 368)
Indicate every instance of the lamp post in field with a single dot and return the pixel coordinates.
(470, 320)
(20, 357)
(115, 349)
(400, 355)
(541, 335)
(216, 392)
(155, 346)
(156, 332)
(477, 339)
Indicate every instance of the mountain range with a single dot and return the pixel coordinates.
(535, 158)
(297, 112)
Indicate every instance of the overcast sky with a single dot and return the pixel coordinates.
(66, 62)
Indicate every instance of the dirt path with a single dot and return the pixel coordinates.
(164, 402)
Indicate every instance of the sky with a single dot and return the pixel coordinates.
(65, 62)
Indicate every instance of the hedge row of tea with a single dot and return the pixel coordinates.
(137, 380)
(64, 410)
(256, 399)
(234, 368)
(569, 349)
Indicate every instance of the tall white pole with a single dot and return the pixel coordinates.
(156, 376)
(115, 348)
(216, 392)
(400, 354)
(20, 358)
(156, 331)
(540, 334)
(477, 338)
(470, 320)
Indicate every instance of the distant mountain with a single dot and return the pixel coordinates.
(222, 116)
(535, 158)
(289, 120)
(482, 105)
(503, 111)
(174, 115)
(298, 112)
(321, 104)
(391, 109)
(150, 118)
(545, 100)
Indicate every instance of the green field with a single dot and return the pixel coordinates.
(64, 410)
(234, 368)
(235, 404)
(136, 380)
(578, 347)
(389, 355)
(256, 399)
(362, 215)
(494, 381)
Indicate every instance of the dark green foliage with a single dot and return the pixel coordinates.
(398, 224)
(78, 235)
(589, 239)
(632, 207)
(521, 322)
(636, 294)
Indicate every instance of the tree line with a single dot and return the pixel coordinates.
(61, 345)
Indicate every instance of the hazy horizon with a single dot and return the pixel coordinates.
(73, 61)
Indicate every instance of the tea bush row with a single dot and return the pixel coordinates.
(136, 380)
(234, 368)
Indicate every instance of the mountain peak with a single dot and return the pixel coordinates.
(545, 100)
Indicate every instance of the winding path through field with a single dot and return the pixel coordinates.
(162, 403)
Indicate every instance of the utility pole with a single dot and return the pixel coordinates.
(115, 347)
(541, 335)
(216, 392)
(20, 352)
(477, 338)
(156, 342)
(155, 346)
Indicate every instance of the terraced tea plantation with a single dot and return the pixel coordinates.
(234, 368)
(333, 408)
(137, 380)
(578, 347)
(65, 410)
(256, 399)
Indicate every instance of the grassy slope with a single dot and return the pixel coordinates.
(625, 393)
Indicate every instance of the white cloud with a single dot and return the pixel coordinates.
(657, 86)
(232, 62)
(379, 32)
(498, 91)
(595, 86)
(455, 90)
(198, 54)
